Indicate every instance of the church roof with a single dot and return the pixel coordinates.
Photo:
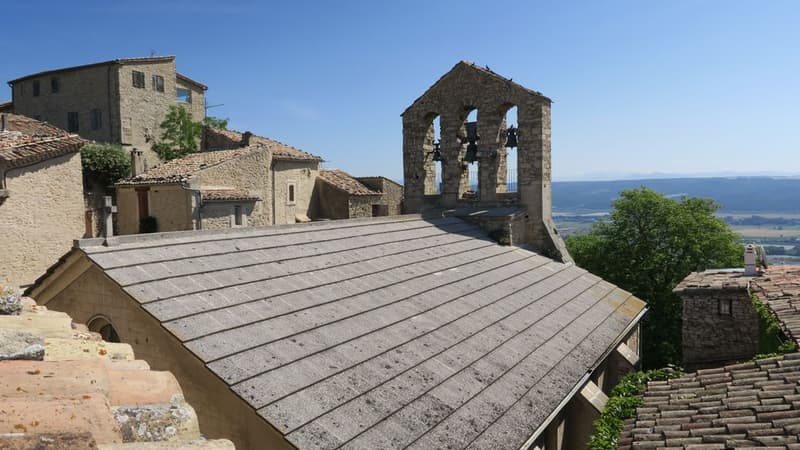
(381, 332)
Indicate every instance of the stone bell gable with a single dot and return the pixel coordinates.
(525, 213)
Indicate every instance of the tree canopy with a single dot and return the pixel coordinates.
(105, 163)
(179, 134)
(216, 122)
(648, 244)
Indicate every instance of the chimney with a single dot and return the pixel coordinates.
(750, 260)
(137, 162)
(245, 139)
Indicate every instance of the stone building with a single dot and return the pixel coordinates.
(720, 324)
(341, 196)
(388, 332)
(122, 101)
(515, 217)
(63, 387)
(41, 196)
(239, 180)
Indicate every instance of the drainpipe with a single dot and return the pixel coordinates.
(272, 168)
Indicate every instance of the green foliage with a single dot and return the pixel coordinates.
(179, 134)
(647, 246)
(106, 163)
(148, 225)
(216, 122)
(622, 405)
(771, 341)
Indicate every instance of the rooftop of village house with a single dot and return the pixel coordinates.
(24, 141)
(753, 404)
(778, 287)
(227, 139)
(63, 387)
(345, 182)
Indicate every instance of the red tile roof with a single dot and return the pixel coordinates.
(280, 151)
(753, 404)
(181, 169)
(342, 180)
(27, 141)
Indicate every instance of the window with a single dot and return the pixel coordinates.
(237, 215)
(380, 210)
(35, 88)
(72, 122)
(290, 194)
(725, 307)
(138, 79)
(97, 119)
(158, 83)
(184, 95)
(54, 85)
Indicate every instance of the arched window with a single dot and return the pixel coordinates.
(472, 179)
(103, 326)
(433, 156)
(510, 130)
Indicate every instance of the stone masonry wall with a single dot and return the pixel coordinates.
(42, 216)
(330, 203)
(143, 109)
(79, 91)
(711, 339)
(220, 214)
(248, 173)
(361, 206)
(197, 106)
(170, 204)
(303, 174)
(220, 412)
(392, 192)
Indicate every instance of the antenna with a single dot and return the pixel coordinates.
(152, 52)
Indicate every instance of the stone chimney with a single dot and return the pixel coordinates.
(521, 217)
(750, 260)
(137, 162)
(245, 139)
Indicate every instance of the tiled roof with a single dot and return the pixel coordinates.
(754, 404)
(382, 333)
(778, 287)
(181, 169)
(6, 106)
(63, 387)
(27, 141)
(226, 194)
(145, 59)
(183, 77)
(280, 151)
(343, 180)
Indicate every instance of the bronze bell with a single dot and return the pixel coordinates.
(437, 151)
(472, 153)
(511, 137)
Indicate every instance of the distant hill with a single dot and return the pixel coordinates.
(735, 194)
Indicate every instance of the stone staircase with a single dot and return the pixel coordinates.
(63, 387)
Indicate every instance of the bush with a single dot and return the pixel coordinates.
(148, 224)
(106, 163)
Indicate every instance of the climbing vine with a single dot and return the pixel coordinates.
(622, 405)
(771, 340)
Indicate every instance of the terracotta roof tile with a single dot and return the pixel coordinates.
(26, 141)
(280, 151)
(719, 411)
(181, 169)
(76, 391)
(342, 180)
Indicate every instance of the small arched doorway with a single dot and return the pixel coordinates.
(103, 326)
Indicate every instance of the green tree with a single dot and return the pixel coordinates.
(179, 134)
(647, 246)
(216, 122)
(105, 163)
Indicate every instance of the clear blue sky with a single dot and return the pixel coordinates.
(639, 86)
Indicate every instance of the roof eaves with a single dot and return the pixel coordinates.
(183, 77)
(97, 64)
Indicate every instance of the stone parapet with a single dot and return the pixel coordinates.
(62, 387)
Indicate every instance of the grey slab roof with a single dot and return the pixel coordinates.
(748, 405)
(382, 333)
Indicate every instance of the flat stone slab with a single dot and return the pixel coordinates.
(59, 349)
(150, 423)
(216, 444)
(84, 415)
(47, 441)
(19, 344)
